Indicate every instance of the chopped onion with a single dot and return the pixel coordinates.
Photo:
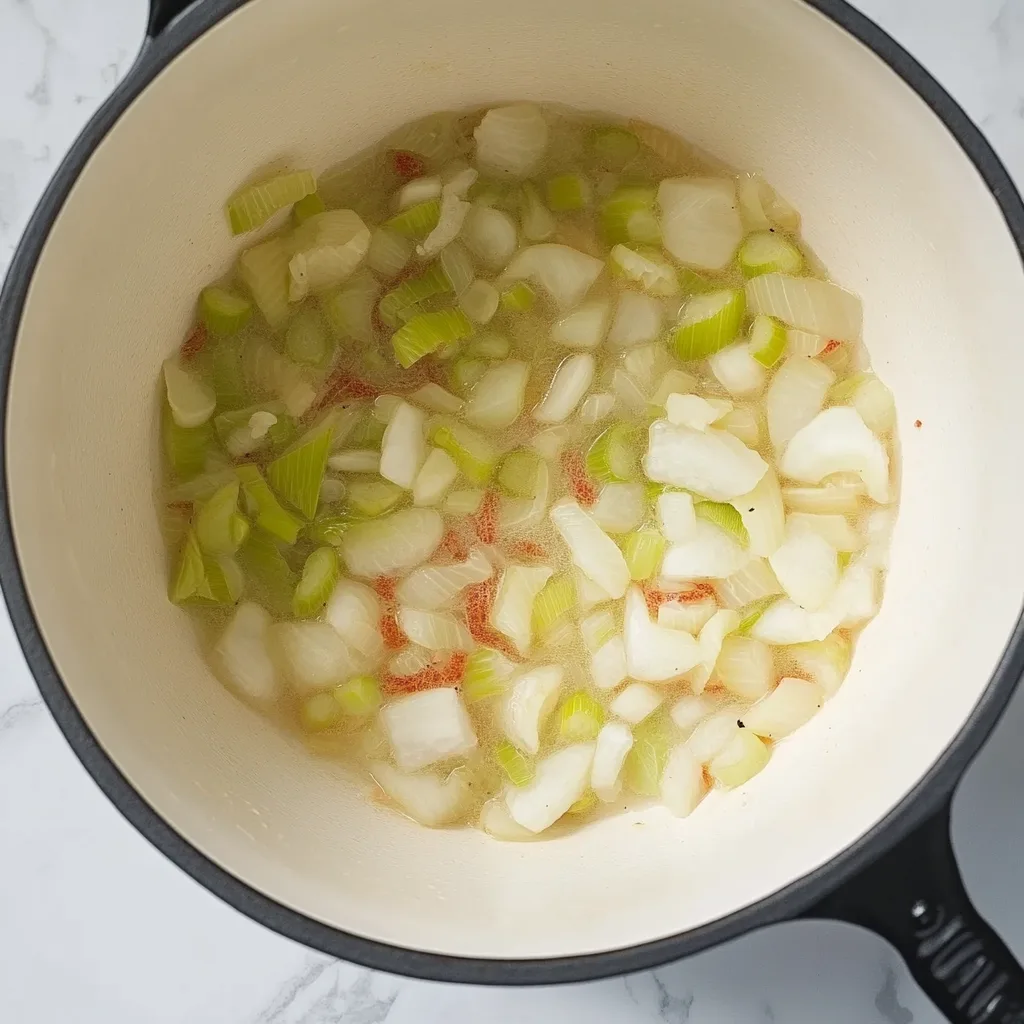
(512, 613)
(490, 235)
(350, 311)
(592, 550)
(564, 273)
(712, 463)
(712, 553)
(837, 441)
(676, 516)
(354, 611)
(675, 382)
(436, 631)
(436, 399)
(804, 343)
(403, 449)
(312, 654)
(358, 460)
(620, 507)
(614, 742)
(434, 478)
(457, 267)
(434, 586)
(388, 253)
(753, 582)
(713, 735)
(527, 704)
(682, 781)
(427, 727)
(745, 667)
(394, 543)
(596, 408)
(874, 401)
(480, 301)
(653, 653)
(528, 512)
(191, 401)
(537, 222)
(791, 704)
(585, 327)
(511, 140)
(737, 370)
(689, 616)
(628, 392)
(826, 661)
(608, 663)
(807, 304)
(745, 423)
(636, 702)
(740, 760)
(807, 567)
(647, 268)
(561, 779)
(688, 711)
(425, 797)
(795, 397)
(570, 383)
(638, 320)
(242, 654)
(835, 529)
(880, 525)
(840, 495)
(496, 821)
(328, 248)
(763, 515)
(695, 412)
(700, 220)
(710, 641)
(498, 397)
(417, 191)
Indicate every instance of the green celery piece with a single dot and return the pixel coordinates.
(225, 373)
(220, 529)
(298, 473)
(308, 206)
(519, 298)
(410, 293)
(319, 574)
(359, 696)
(652, 741)
(190, 572)
(613, 148)
(368, 432)
(305, 340)
(628, 216)
(223, 582)
(518, 472)
(417, 221)
(555, 601)
(516, 767)
(255, 204)
(372, 498)
(224, 311)
(580, 718)
(643, 551)
(427, 332)
(186, 448)
(319, 712)
(330, 528)
(567, 192)
(266, 566)
(474, 455)
(466, 372)
(725, 517)
(750, 613)
(269, 512)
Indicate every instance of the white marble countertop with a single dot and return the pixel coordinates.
(96, 926)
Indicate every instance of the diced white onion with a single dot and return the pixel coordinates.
(763, 514)
(496, 821)
(568, 386)
(695, 412)
(353, 609)
(560, 780)
(433, 480)
(454, 212)
(791, 704)
(655, 654)
(837, 530)
(745, 667)
(710, 641)
(436, 631)
(490, 235)
(403, 449)
(436, 399)
(597, 407)
(388, 253)
(243, 657)
(434, 586)
(688, 711)
(565, 274)
(513, 606)
(752, 583)
(498, 397)
(511, 140)
(585, 327)
(395, 543)
(419, 190)
(675, 382)
(737, 370)
(807, 567)
(592, 550)
(480, 301)
(636, 702)
(608, 662)
(711, 553)
(689, 616)
(700, 220)
(676, 516)
(524, 708)
(807, 304)
(425, 797)
(614, 743)
(638, 320)
(620, 507)
(312, 654)
(795, 396)
(682, 781)
(426, 727)
(713, 735)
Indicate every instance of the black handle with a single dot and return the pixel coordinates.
(914, 897)
(162, 13)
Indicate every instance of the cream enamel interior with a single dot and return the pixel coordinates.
(891, 204)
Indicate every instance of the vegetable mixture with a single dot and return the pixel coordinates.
(532, 464)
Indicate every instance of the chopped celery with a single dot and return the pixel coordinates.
(519, 298)
(466, 372)
(488, 192)
(614, 148)
(568, 192)
(368, 432)
(225, 373)
(767, 340)
(490, 346)
(613, 457)
(349, 311)
(409, 294)
(190, 572)
(186, 448)
(428, 331)
(515, 766)
(554, 602)
(220, 529)
(191, 400)
(319, 574)
(480, 301)
(709, 322)
(584, 805)
(416, 221)
(222, 311)
(627, 216)
(263, 269)
(308, 206)
(319, 712)
(329, 529)
(725, 517)
(270, 514)
(580, 718)
(254, 205)
(517, 474)
(645, 762)
(282, 432)
(643, 551)
(749, 614)
(266, 566)
(305, 341)
(474, 456)
(487, 674)
(769, 253)
(298, 474)
(359, 696)
(373, 498)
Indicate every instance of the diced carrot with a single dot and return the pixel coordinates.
(655, 598)
(830, 347)
(406, 164)
(485, 519)
(392, 633)
(453, 545)
(479, 601)
(444, 673)
(385, 587)
(194, 343)
(527, 549)
(341, 385)
(582, 487)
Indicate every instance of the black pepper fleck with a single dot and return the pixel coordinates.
(739, 722)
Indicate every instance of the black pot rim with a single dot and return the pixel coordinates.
(932, 790)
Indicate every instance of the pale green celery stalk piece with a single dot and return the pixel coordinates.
(652, 740)
(488, 192)
(612, 457)
(254, 205)
(614, 148)
(643, 551)
(568, 192)
(749, 614)
(416, 221)
(283, 432)
(628, 216)
(519, 298)
(372, 498)
(190, 571)
(692, 283)
(724, 516)
(186, 448)
(320, 712)
(223, 311)
(426, 332)
(466, 372)
(555, 601)
(490, 346)
(843, 391)
(408, 295)
(269, 512)
(297, 474)
(330, 528)
(580, 718)
(359, 696)
(308, 206)
(220, 529)
(768, 340)
(517, 474)
(769, 253)
(263, 269)
(368, 433)
(319, 574)
(224, 372)
(710, 322)
(223, 583)
(474, 456)
(264, 563)
(487, 674)
(305, 341)
(516, 767)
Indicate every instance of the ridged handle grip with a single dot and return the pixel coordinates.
(915, 898)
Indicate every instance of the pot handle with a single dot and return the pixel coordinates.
(162, 13)
(914, 897)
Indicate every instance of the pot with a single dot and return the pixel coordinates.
(906, 204)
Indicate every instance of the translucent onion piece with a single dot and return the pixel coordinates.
(191, 401)
(675, 382)
(356, 460)
(713, 734)
(763, 515)
(620, 507)
(436, 631)
(434, 478)
(751, 583)
(653, 653)
(874, 401)
(560, 780)
(403, 449)
(711, 553)
(596, 408)
(745, 667)
(498, 397)
(319, 574)
(354, 611)
(537, 221)
(496, 821)
(328, 248)
(529, 512)
(791, 704)
(689, 616)
(745, 423)
(804, 343)
(425, 797)
(473, 454)
(835, 529)
(511, 140)
(695, 412)
(807, 567)
(417, 191)
(241, 654)
(676, 516)
(585, 327)
(436, 399)
(592, 550)
(263, 269)
(350, 311)
(700, 220)
(512, 613)
(712, 636)
(452, 216)
(565, 274)
(740, 760)
(427, 727)
(395, 543)
(570, 383)
(879, 528)
(655, 275)
(434, 586)
(737, 370)
(527, 704)
(608, 662)
(682, 781)
(687, 712)
(638, 320)
(389, 252)
(457, 267)
(312, 654)
(490, 235)
(795, 396)
(614, 743)
(636, 702)
(807, 304)
(826, 661)
(480, 302)
(769, 253)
